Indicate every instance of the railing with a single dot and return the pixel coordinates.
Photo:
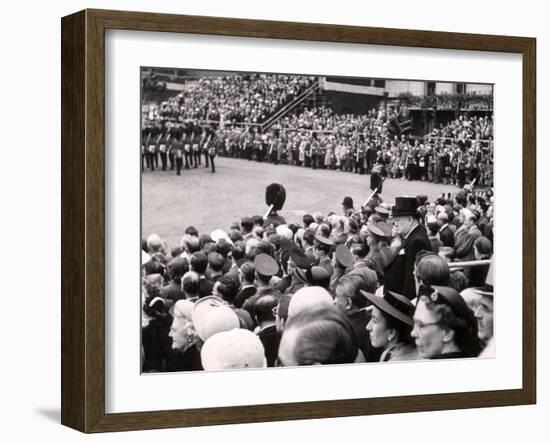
(429, 137)
(286, 109)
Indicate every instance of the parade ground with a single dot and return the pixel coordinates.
(209, 201)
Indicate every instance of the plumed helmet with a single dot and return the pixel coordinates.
(275, 194)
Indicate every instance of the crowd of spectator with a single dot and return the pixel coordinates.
(377, 283)
(238, 98)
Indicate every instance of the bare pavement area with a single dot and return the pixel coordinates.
(209, 201)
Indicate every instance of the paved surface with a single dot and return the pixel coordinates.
(208, 200)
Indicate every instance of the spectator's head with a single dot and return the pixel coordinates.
(281, 312)
(258, 220)
(236, 348)
(318, 217)
(321, 335)
(431, 269)
(308, 238)
(152, 284)
(307, 298)
(483, 248)
(204, 239)
(226, 288)
(359, 251)
(238, 251)
(265, 247)
(246, 225)
(215, 262)
(266, 268)
(442, 218)
(177, 267)
(192, 230)
(154, 266)
(307, 219)
(433, 228)
(235, 235)
(247, 273)
(484, 316)
(250, 248)
(190, 243)
(444, 324)
(471, 296)
(347, 294)
(199, 262)
(391, 322)
(190, 284)
(264, 309)
(469, 218)
(155, 244)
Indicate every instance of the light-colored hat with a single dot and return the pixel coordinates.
(237, 348)
(307, 298)
(218, 234)
(211, 315)
(284, 231)
(184, 309)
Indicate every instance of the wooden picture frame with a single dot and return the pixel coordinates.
(83, 219)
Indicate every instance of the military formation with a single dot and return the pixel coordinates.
(398, 280)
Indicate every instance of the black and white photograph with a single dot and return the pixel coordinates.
(295, 220)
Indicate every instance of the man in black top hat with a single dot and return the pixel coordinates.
(398, 274)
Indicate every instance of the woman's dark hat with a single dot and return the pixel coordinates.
(449, 296)
(393, 304)
(405, 206)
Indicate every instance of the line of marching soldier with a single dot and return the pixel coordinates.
(177, 146)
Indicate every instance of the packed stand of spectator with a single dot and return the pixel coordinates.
(239, 98)
(372, 284)
(458, 153)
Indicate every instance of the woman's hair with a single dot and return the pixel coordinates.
(403, 330)
(238, 250)
(433, 228)
(323, 336)
(324, 229)
(463, 324)
(432, 269)
(483, 246)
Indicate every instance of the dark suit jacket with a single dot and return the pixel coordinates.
(270, 338)
(243, 295)
(398, 275)
(447, 236)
